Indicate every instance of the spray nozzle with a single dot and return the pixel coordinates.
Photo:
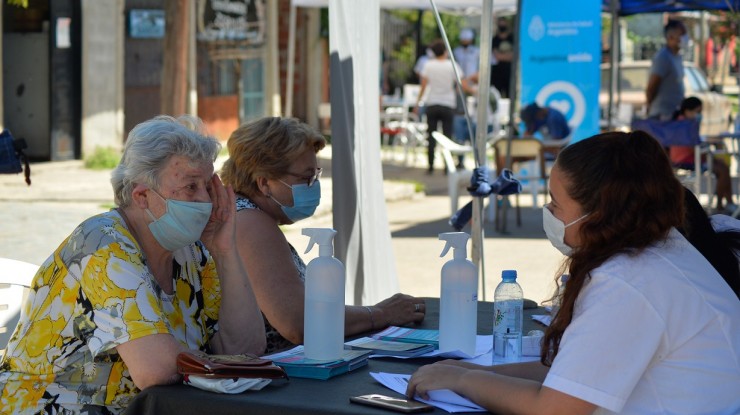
(321, 236)
(457, 241)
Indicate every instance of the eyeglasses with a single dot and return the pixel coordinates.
(310, 180)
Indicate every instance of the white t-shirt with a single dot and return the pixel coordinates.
(440, 78)
(654, 333)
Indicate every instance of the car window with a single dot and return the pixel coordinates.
(701, 79)
(632, 79)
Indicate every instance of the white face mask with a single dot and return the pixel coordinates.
(555, 230)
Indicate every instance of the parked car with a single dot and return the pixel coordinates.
(634, 76)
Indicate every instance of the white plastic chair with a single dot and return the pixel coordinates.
(455, 178)
(15, 283)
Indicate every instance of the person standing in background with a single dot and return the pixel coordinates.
(467, 54)
(665, 89)
(503, 51)
(438, 78)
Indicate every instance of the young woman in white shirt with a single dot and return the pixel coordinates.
(646, 325)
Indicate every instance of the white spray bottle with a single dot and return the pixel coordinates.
(323, 317)
(459, 300)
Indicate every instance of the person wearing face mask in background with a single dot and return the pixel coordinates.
(467, 54)
(682, 157)
(502, 47)
(273, 167)
(665, 88)
(646, 324)
(129, 289)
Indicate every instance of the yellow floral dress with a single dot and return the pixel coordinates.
(94, 293)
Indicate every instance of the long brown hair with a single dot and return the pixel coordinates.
(625, 183)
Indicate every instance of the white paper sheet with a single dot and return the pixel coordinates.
(443, 399)
(545, 319)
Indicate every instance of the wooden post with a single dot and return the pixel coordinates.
(174, 90)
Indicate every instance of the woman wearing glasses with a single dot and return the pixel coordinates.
(274, 170)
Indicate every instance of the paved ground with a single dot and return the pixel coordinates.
(35, 219)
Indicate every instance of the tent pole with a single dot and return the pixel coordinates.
(484, 90)
(513, 99)
(291, 62)
(613, 55)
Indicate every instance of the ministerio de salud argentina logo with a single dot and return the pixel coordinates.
(536, 28)
(566, 98)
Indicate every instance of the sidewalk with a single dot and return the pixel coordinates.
(35, 219)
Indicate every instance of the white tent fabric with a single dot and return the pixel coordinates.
(419, 4)
(363, 240)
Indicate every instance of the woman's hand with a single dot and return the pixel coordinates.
(401, 309)
(433, 377)
(219, 235)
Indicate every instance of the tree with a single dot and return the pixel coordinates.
(174, 89)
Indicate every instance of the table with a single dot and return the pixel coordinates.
(306, 396)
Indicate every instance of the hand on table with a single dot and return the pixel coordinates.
(433, 377)
(402, 309)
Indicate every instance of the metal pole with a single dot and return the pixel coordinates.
(513, 99)
(484, 90)
(614, 61)
(291, 62)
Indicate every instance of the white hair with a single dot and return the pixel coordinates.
(149, 147)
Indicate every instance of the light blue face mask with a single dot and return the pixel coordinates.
(181, 225)
(305, 200)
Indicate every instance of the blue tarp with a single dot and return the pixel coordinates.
(629, 7)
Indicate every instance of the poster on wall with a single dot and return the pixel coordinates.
(239, 20)
(560, 56)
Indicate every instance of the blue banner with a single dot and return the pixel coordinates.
(560, 49)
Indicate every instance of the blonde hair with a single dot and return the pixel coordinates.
(149, 147)
(266, 148)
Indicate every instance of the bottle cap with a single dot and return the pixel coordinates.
(457, 241)
(508, 275)
(321, 236)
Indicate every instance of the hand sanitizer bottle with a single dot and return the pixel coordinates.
(323, 317)
(459, 300)
(508, 307)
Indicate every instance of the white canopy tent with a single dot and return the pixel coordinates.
(420, 4)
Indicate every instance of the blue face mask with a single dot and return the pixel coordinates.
(181, 225)
(305, 200)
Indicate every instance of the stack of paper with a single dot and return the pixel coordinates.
(389, 348)
(297, 365)
(406, 335)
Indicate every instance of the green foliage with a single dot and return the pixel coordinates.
(103, 158)
(405, 54)
(19, 3)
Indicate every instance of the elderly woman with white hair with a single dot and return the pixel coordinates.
(129, 289)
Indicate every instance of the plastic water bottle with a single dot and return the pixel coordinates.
(323, 317)
(458, 322)
(508, 307)
(559, 296)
